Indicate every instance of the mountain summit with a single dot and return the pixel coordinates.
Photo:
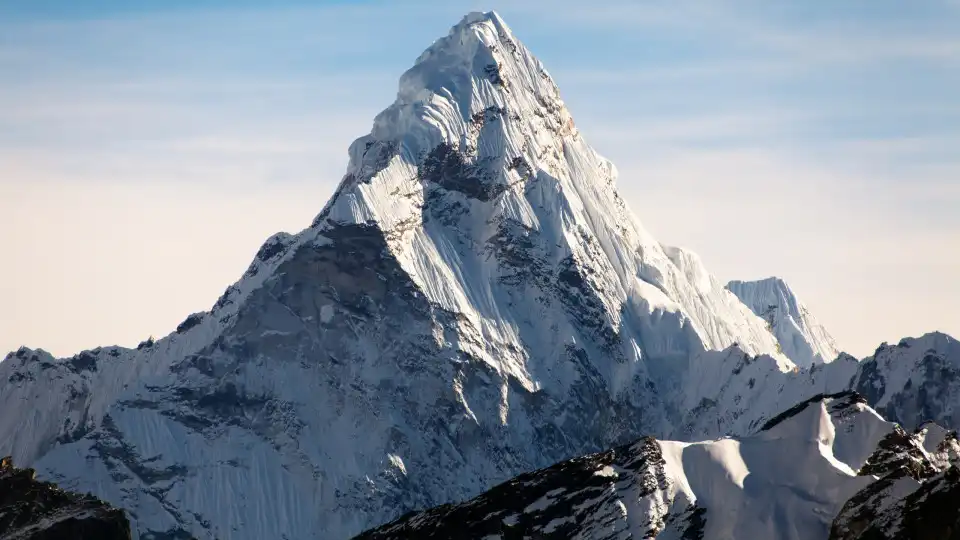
(474, 302)
(487, 194)
(800, 335)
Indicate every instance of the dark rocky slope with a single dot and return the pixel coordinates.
(32, 510)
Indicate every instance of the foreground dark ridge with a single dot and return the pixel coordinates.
(829, 468)
(42, 511)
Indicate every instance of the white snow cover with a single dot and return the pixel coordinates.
(731, 392)
(787, 481)
(481, 91)
(894, 373)
(802, 338)
(475, 301)
(528, 304)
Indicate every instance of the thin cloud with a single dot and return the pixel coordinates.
(676, 131)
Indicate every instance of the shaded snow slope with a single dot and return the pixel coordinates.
(801, 337)
(733, 392)
(914, 381)
(787, 481)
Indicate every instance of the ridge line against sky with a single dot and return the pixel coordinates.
(148, 148)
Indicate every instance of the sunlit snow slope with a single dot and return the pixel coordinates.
(801, 337)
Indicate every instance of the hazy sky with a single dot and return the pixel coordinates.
(148, 148)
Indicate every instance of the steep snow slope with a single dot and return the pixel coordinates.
(487, 189)
(475, 301)
(914, 381)
(801, 337)
(733, 392)
(787, 481)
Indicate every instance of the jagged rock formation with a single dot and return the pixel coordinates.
(915, 495)
(826, 455)
(800, 336)
(580, 498)
(914, 381)
(928, 512)
(32, 510)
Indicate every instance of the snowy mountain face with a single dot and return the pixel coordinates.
(827, 456)
(914, 381)
(474, 302)
(798, 333)
(732, 392)
(32, 510)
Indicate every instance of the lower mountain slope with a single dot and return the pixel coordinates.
(916, 493)
(826, 456)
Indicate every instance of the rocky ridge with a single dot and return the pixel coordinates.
(33, 510)
(829, 467)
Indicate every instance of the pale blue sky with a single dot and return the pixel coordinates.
(147, 148)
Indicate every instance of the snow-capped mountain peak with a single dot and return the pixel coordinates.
(474, 96)
(478, 176)
(800, 336)
(475, 301)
